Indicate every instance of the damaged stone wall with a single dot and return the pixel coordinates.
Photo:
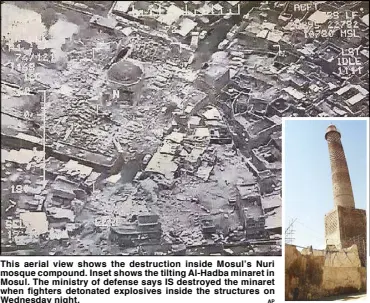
(314, 252)
(345, 227)
(302, 272)
(353, 227)
(314, 280)
(348, 257)
(336, 280)
(264, 136)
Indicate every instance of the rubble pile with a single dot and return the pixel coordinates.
(193, 166)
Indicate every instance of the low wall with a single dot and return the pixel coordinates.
(347, 257)
(337, 279)
(309, 278)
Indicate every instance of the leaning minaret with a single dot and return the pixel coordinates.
(342, 187)
(344, 224)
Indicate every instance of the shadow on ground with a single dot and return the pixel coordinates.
(353, 297)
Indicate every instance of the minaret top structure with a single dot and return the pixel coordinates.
(341, 181)
(331, 128)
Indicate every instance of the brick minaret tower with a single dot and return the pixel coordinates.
(344, 225)
(342, 187)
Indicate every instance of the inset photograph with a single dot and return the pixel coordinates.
(325, 182)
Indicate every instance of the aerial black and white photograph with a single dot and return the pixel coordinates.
(154, 127)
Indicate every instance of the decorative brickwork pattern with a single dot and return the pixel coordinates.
(342, 187)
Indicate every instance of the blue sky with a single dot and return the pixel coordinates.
(307, 190)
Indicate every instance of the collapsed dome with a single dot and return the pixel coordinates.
(125, 72)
